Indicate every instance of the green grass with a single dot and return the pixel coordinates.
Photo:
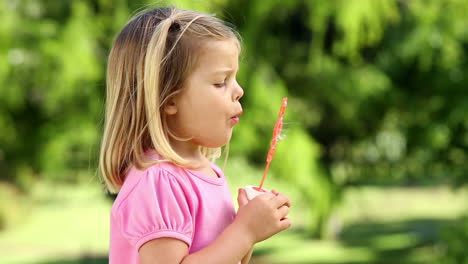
(70, 225)
(64, 222)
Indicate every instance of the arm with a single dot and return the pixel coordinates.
(256, 221)
(242, 201)
(228, 248)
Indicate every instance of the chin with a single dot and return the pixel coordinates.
(217, 143)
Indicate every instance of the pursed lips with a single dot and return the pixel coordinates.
(236, 118)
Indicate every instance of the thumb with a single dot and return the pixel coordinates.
(242, 197)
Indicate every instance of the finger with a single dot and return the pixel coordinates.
(288, 203)
(266, 196)
(242, 197)
(285, 224)
(283, 211)
(281, 199)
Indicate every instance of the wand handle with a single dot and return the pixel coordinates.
(274, 141)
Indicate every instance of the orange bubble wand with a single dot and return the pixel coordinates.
(274, 140)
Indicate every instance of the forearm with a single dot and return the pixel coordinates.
(247, 257)
(229, 247)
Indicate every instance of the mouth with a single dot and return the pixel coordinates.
(235, 119)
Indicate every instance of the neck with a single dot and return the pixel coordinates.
(189, 151)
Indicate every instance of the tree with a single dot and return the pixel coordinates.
(376, 88)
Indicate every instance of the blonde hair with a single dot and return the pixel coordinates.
(149, 62)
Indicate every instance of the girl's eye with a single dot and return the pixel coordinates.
(220, 85)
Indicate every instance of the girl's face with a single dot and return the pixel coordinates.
(208, 107)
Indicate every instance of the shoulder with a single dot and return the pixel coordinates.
(155, 181)
(154, 203)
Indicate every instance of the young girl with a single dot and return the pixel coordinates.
(172, 102)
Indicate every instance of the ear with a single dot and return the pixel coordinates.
(171, 107)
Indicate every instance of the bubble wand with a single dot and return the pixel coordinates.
(274, 141)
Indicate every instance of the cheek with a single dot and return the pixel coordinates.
(207, 113)
(196, 121)
(213, 131)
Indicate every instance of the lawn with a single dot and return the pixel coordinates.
(69, 224)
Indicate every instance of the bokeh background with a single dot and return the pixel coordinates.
(375, 150)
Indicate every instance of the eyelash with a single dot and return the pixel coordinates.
(220, 85)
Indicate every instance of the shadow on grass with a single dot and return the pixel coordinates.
(405, 242)
(411, 241)
(79, 260)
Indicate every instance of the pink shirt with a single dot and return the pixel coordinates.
(168, 201)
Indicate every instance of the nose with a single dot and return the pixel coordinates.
(238, 92)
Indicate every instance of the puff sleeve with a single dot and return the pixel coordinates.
(160, 205)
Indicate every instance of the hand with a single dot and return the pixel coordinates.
(263, 216)
(242, 198)
(288, 204)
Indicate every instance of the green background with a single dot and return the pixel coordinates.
(375, 149)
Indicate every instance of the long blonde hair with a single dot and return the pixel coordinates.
(150, 60)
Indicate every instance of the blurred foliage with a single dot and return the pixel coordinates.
(377, 89)
(377, 92)
(380, 85)
(452, 245)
